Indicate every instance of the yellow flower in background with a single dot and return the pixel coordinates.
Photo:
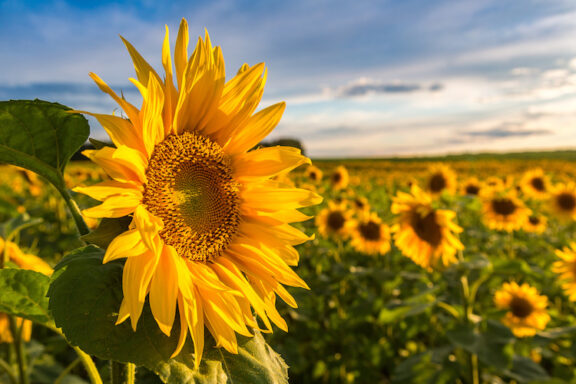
(441, 178)
(566, 268)
(339, 178)
(210, 231)
(27, 261)
(563, 201)
(494, 183)
(370, 235)
(333, 220)
(361, 204)
(526, 308)
(535, 183)
(535, 224)
(471, 187)
(423, 233)
(503, 211)
(314, 174)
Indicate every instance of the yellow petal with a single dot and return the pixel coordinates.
(275, 199)
(256, 129)
(130, 110)
(105, 189)
(114, 207)
(143, 69)
(164, 291)
(127, 244)
(120, 130)
(181, 51)
(152, 124)
(149, 227)
(267, 162)
(138, 272)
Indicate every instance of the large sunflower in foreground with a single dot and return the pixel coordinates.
(423, 233)
(562, 201)
(370, 235)
(210, 231)
(526, 308)
(503, 211)
(14, 254)
(566, 268)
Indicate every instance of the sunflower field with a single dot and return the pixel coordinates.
(188, 251)
(419, 272)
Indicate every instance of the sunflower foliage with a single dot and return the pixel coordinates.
(80, 301)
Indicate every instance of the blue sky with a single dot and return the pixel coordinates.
(360, 78)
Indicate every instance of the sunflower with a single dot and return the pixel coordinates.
(339, 178)
(535, 183)
(566, 268)
(535, 224)
(314, 174)
(441, 178)
(423, 233)
(27, 261)
(370, 235)
(503, 211)
(471, 187)
(563, 201)
(361, 204)
(210, 233)
(526, 308)
(494, 183)
(333, 220)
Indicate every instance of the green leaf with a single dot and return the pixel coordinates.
(23, 293)
(85, 297)
(107, 230)
(255, 363)
(525, 370)
(40, 136)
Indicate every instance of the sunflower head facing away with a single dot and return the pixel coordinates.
(425, 234)
(566, 268)
(339, 178)
(535, 183)
(526, 308)
(369, 234)
(333, 221)
(503, 211)
(441, 178)
(210, 231)
(563, 201)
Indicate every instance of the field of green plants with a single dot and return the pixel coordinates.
(372, 314)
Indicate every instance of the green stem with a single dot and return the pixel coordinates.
(75, 211)
(87, 361)
(20, 353)
(8, 369)
(89, 365)
(511, 254)
(122, 373)
(67, 370)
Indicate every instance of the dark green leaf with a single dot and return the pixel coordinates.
(23, 293)
(107, 230)
(40, 136)
(525, 370)
(11, 227)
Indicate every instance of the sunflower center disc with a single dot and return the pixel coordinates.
(437, 182)
(534, 220)
(472, 190)
(520, 307)
(503, 207)
(538, 184)
(370, 231)
(427, 228)
(335, 220)
(566, 201)
(336, 177)
(191, 188)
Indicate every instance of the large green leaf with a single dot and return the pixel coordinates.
(23, 293)
(85, 298)
(40, 136)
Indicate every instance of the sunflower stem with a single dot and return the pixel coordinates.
(75, 211)
(67, 370)
(511, 254)
(122, 373)
(20, 352)
(89, 366)
(4, 366)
